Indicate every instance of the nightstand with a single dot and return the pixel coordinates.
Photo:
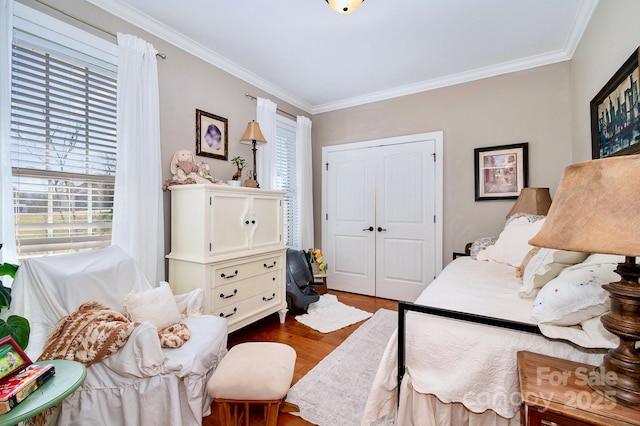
(555, 392)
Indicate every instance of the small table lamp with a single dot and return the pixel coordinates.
(251, 136)
(597, 210)
(532, 201)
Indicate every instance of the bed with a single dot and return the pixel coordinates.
(456, 360)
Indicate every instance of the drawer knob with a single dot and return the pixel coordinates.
(222, 295)
(265, 299)
(246, 222)
(270, 266)
(226, 277)
(228, 315)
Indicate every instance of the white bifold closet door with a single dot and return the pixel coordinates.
(381, 219)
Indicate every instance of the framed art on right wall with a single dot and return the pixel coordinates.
(615, 113)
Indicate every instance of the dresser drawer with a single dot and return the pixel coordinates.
(243, 270)
(235, 312)
(237, 290)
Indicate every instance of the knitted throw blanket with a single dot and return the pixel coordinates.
(90, 334)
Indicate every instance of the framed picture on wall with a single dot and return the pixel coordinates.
(211, 135)
(615, 113)
(501, 171)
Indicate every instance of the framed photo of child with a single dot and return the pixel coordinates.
(211, 136)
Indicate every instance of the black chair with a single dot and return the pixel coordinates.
(299, 279)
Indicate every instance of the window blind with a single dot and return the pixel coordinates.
(63, 149)
(286, 178)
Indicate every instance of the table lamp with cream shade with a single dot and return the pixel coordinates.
(596, 209)
(252, 136)
(532, 201)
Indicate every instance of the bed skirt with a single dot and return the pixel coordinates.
(427, 410)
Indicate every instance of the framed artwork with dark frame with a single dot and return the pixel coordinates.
(211, 136)
(615, 113)
(501, 171)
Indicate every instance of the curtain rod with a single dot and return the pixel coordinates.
(248, 95)
(160, 55)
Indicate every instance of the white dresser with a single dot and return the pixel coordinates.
(228, 241)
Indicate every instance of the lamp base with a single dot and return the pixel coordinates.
(608, 384)
(618, 378)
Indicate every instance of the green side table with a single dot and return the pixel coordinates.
(69, 376)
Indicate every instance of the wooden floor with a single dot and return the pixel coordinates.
(310, 345)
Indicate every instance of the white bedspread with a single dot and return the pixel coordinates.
(464, 362)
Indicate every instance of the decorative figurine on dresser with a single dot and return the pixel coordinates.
(228, 242)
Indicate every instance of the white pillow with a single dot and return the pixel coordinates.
(545, 266)
(575, 295)
(156, 306)
(513, 243)
(596, 258)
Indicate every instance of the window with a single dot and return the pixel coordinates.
(63, 140)
(286, 178)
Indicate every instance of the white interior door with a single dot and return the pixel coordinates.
(350, 249)
(405, 225)
(391, 190)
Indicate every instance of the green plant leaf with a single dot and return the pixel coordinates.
(16, 327)
(5, 297)
(8, 269)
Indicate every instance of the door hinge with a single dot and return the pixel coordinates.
(326, 216)
(210, 200)
(326, 166)
(434, 218)
(434, 157)
(209, 246)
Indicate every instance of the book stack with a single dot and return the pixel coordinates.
(16, 388)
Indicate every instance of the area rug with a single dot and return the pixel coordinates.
(335, 392)
(328, 314)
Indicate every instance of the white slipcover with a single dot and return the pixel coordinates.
(142, 383)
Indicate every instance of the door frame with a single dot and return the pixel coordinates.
(438, 138)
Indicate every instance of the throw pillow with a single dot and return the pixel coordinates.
(156, 306)
(544, 266)
(575, 295)
(513, 243)
(480, 244)
(530, 217)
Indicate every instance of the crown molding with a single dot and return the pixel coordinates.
(450, 80)
(152, 26)
(158, 29)
(587, 8)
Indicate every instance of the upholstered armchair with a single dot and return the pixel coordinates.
(142, 383)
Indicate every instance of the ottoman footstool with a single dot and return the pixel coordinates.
(253, 373)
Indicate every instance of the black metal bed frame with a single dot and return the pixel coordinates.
(403, 307)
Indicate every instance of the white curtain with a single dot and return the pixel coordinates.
(138, 223)
(266, 154)
(7, 225)
(304, 180)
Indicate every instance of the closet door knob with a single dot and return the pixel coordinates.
(370, 229)
(380, 229)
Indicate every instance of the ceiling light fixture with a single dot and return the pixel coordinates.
(344, 6)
